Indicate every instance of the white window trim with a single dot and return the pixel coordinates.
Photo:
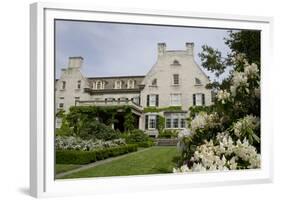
(150, 102)
(171, 99)
(149, 118)
(199, 98)
(101, 85)
(118, 84)
(175, 116)
(130, 84)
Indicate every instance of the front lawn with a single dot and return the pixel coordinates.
(60, 168)
(155, 160)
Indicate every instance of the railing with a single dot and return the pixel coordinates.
(109, 103)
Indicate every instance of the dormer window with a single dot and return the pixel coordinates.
(118, 84)
(175, 63)
(99, 85)
(79, 84)
(198, 81)
(130, 84)
(154, 82)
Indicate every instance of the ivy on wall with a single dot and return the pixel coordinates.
(155, 109)
(79, 115)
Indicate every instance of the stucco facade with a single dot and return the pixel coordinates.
(174, 81)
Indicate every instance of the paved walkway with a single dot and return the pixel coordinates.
(60, 175)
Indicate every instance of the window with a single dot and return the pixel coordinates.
(136, 100)
(175, 63)
(197, 81)
(63, 85)
(175, 123)
(175, 99)
(152, 121)
(99, 85)
(168, 122)
(78, 84)
(118, 84)
(182, 123)
(176, 80)
(131, 84)
(175, 120)
(152, 100)
(199, 99)
(77, 98)
(61, 105)
(154, 82)
(61, 97)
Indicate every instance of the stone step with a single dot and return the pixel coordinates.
(166, 142)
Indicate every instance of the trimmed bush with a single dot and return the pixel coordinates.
(75, 157)
(139, 137)
(85, 157)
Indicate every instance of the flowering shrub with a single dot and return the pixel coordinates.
(225, 155)
(202, 121)
(223, 96)
(75, 143)
(226, 135)
(245, 127)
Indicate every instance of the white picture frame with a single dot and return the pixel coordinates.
(42, 182)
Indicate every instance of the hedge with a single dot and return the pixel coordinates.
(85, 157)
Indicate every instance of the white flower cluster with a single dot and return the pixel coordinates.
(202, 120)
(239, 58)
(244, 124)
(223, 96)
(241, 78)
(238, 79)
(227, 155)
(251, 70)
(74, 143)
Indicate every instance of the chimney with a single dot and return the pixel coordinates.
(189, 48)
(161, 48)
(75, 62)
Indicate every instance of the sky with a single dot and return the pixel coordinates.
(113, 49)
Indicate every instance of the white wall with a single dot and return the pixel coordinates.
(188, 70)
(14, 101)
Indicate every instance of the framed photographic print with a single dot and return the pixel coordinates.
(132, 100)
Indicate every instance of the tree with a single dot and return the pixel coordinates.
(222, 134)
(242, 42)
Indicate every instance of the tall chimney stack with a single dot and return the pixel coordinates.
(161, 48)
(75, 62)
(189, 48)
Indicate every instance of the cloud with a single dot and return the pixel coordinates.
(111, 49)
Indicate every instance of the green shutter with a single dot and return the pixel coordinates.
(203, 99)
(146, 122)
(157, 100)
(194, 100)
(157, 121)
(147, 100)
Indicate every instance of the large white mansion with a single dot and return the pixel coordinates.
(173, 84)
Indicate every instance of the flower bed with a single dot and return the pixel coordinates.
(76, 143)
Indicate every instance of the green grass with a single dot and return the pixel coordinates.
(155, 160)
(64, 168)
